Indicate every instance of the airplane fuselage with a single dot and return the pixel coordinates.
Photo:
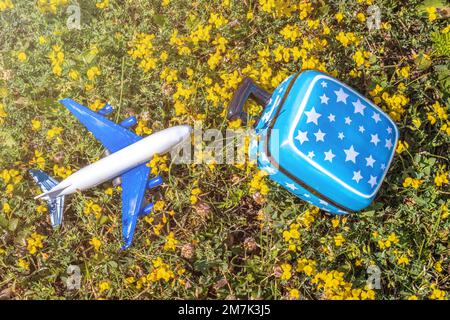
(123, 160)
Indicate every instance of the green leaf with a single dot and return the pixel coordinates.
(13, 224)
(431, 3)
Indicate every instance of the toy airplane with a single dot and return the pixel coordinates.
(128, 157)
(321, 140)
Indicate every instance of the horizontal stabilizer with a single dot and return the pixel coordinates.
(55, 202)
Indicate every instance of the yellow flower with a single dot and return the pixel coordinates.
(109, 191)
(335, 222)
(93, 72)
(159, 205)
(432, 14)
(35, 124)
(142, 128)
(34, 242)
(417, 122)
(38, 160)
(171, 242)
(339, 17)
(96, 243)
(73, 74)
(339, 240)
(306, 266)
(42, 40)
(104, 286)
(92, 207)
(438, 266)
(57, 58)
(22, 56)
(393, 238)
(413, 297)
(410, 182)
(403, 260)
(404, 72)
(437, 294)
(5, 5)
(6, 208)
(41, 209)
(129, 280)
(22, 263)
(441, 179)
(217, 20)
(164, 56)
(445, 212)
(235, 124)
(102, 4)
(53, 132)
(402, 146)
(194, 195)
(286, 275)
(361, 17)
(294, 294)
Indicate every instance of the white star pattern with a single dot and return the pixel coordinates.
(359, 107)
(269, 170)
(351, 154)
(372, 181)
(302, 136)
(389, 144)
(332, 117)
(357, 139)
(324, 99)
(376, 117)
(374, 139)
(264, 158)
(266, 116)
(329, 155)
(348, 120)
(323, 202)
(291, 186)
(319, 136)
(312, 116)
(306, 195)
(341, 96)
(357, 176)
(370, 161)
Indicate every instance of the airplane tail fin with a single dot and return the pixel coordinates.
(55, 203)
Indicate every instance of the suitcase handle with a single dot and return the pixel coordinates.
(247, 89)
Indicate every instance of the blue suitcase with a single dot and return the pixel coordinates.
(321, 140)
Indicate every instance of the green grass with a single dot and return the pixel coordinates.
(230, 243)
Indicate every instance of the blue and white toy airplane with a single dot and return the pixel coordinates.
(128, 157)
(321, 140)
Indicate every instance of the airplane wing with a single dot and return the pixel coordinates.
(133, 189)
(113, 136)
